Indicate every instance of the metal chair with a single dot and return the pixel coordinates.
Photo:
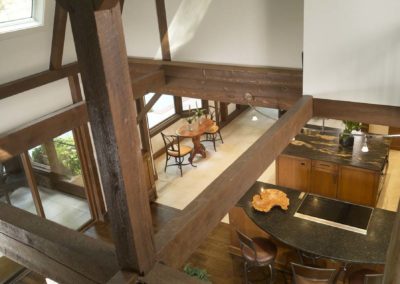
(174, 149)
(212, 133)
(365, 276)
(311, 275)
(257, 252)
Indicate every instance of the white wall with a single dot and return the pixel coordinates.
(352, 50)
(141, 28)
(24, 53)
(27, 106)
(253, 32)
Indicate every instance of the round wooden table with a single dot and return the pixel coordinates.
(195, 132)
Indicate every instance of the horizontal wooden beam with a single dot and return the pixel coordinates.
(148, 106)
(52, 250)
(178, 239)
(40, 130)
(269, 86)
(150, 82)
(37, 80)
(361, 112)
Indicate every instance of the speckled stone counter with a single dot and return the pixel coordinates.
(319, 239)
(327, 148)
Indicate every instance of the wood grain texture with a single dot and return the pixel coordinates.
(53, 250)
(162, 274)
(163, 30)
(293, 172)
(57, 44)
(36, 80)
(30, 177)
(367, 113)
(270, 87)
(149, 82)
(83, 141)
(104, 68)
(37, 131)
(182, 235)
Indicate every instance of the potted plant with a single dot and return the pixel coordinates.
(346, 139)
(197, 272)
(189, 120)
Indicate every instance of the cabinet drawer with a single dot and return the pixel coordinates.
(325, 166)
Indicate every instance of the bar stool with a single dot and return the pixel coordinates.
(365, 276)
(257, 252)
(311, 275)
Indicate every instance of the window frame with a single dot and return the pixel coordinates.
(39, 20)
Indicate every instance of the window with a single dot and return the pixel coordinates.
(191, 102)
(162, 109)
(20, 14)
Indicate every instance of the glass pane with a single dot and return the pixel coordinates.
(12, 10)
(14, 189)
(162, 109)
(58, 174)
(190, 102)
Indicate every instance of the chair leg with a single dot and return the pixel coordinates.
(213, 139)
(220, 136)
(271, 275)
(246, 280)
(166, 163)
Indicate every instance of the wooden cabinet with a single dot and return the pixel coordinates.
(395, 144)
(324, 178)
(358, 185)
(293, 172)
(346, 183)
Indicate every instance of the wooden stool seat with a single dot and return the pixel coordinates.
(265, 251)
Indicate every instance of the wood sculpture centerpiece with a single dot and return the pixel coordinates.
(269, 198)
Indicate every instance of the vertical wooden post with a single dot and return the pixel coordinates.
(163, 28)
(102, 58)
(57, 45)
(30, 177)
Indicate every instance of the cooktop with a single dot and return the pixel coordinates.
(331, 212)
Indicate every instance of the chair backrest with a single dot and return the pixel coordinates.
(305, 274)
(171, 143)
(247, 242)
(373, 279)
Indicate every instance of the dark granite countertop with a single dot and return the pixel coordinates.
(326, 147)
(320, 239)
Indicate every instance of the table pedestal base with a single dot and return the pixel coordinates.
(198, 148)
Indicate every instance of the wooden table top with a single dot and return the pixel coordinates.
(197, 130)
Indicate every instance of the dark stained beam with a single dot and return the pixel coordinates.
(86, 156)
(269, 87)
(37, 80)
(367, 113)
(52, 250)
(57, 44)
(97, 5)
(30, 176)
(163, 30)
(43, 129)
(178, 239)
(150, 82)
(102, 57)
(148, 106)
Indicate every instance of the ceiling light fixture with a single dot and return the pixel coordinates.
(364, 148)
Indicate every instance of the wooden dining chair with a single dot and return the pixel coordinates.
(174, 149)
(213, 133)
(311, 275)
(257, 252)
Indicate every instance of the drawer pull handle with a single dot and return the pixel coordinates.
(303, 164)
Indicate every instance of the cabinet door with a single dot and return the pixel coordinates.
(324, 179)
(293, 172)
(358, 185)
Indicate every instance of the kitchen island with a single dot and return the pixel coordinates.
(317, 163)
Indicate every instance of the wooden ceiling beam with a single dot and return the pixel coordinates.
(148, 106)
(96, 5)
(37, 80)
(102, 57)
(57, 44)
(52, 250)
(163, 30)
(47, 127)
(146, 83)
(180, 237)
(361, 112)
